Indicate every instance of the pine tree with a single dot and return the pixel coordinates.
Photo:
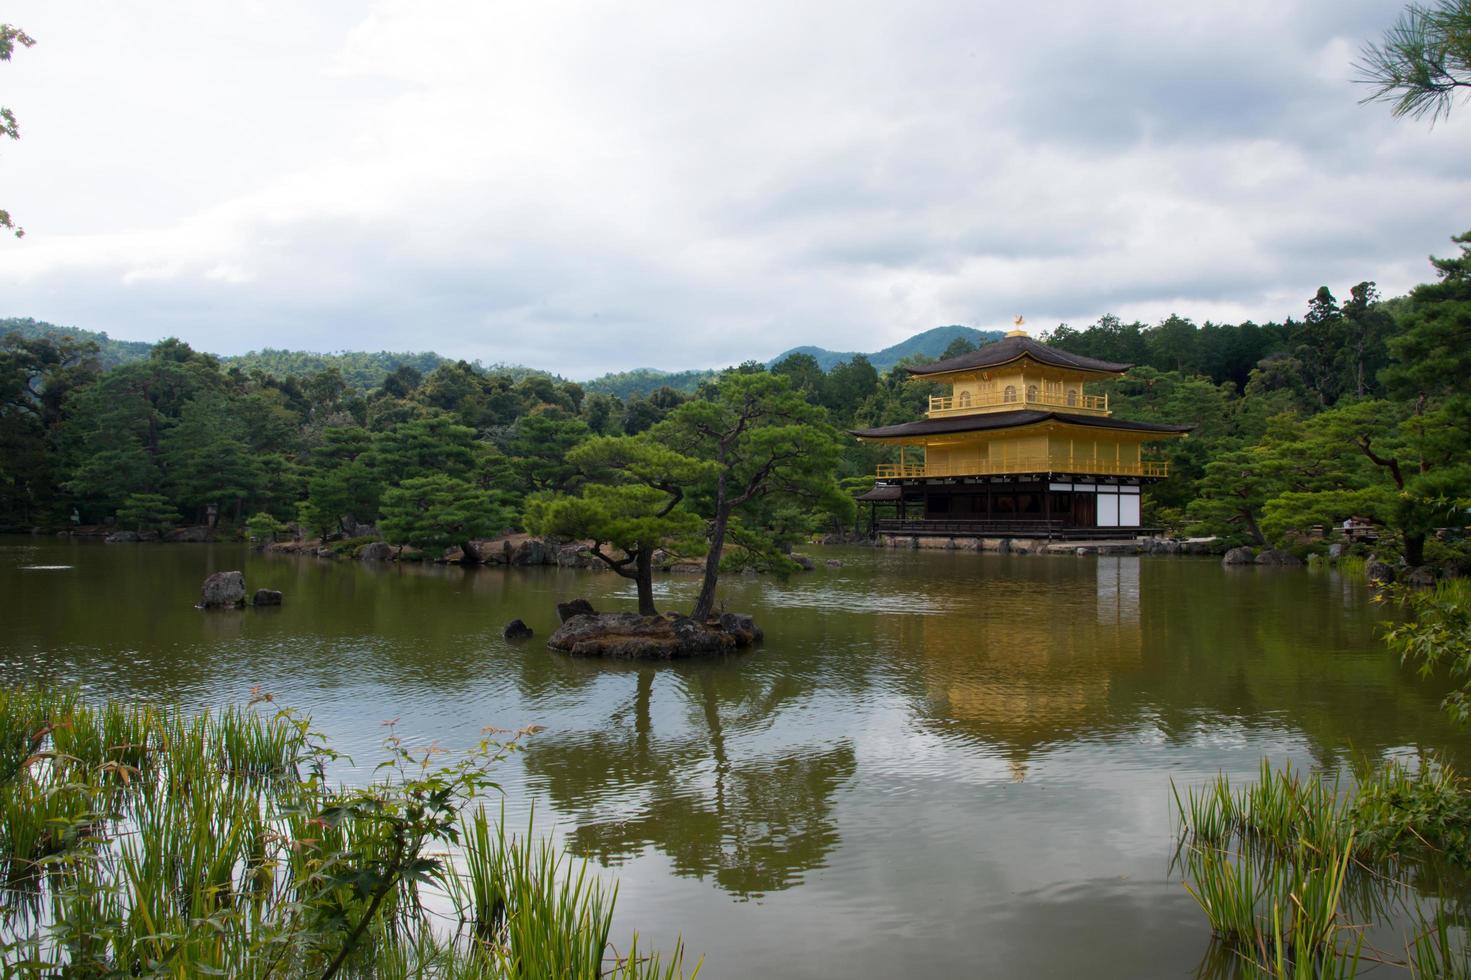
(436, 512)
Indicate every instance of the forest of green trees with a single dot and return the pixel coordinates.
(1360, 409)
(1357, 409)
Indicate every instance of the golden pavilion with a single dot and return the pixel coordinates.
(1018, 447)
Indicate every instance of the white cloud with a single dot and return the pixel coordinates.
(596, 186)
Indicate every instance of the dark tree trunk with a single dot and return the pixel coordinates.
(1414, 550)
(1251, 525)
(705, 603)
(644, 578)
(642, 559)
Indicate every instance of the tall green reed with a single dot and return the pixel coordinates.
(1288, 869)
(539, 913)
(146, 841)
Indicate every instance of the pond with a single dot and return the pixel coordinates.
(940, 763)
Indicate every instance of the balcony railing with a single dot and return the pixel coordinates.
(1052, 530)
(942, 405)
(1025, 464)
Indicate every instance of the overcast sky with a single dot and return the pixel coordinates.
(595, 186)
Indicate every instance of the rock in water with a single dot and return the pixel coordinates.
(1379, 573)
(223, 590)
(692, 638)
(1276, 556)
(742, 627)
(1239, 556)
(516, 630)
(577, 607)
(573, 556)
(122, 537)
(266, 597)
(533, 551)
(377, 551)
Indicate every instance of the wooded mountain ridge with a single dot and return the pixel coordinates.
(365, 370)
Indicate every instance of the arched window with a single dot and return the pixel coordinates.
(1072, 397)
(964, 399)
(1010, 394)
(1031, 393)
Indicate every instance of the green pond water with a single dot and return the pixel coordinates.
(939, 764)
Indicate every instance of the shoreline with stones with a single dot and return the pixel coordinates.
(526, 550)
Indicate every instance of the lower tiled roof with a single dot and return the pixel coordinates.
(983, 422)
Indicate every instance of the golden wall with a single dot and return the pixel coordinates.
(983, 390)
(1079, 450)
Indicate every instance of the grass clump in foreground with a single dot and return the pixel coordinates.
(1290, 870)
(143, 841)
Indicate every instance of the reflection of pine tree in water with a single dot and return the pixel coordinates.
(753, 824)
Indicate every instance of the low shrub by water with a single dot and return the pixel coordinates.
(144, 841)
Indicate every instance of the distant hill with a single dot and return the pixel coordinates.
(643, 381)
(640, 382)
(361, 370)
(366, 370)
(111, 352)
(930, 343)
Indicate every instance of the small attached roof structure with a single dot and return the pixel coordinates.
(1010, 420)
(1014, 347)
(881, 494)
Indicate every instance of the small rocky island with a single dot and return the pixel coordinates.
(632, 636)
(226, 590)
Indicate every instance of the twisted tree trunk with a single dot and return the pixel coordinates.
(705, 601)
(643, 577)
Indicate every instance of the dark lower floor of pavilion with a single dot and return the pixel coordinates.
(1050, 506)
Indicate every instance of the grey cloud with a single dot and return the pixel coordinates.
(840, 175)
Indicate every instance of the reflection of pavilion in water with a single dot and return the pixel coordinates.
(1032, 665)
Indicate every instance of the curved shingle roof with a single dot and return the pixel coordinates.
(1009, 349)
(1009, 420)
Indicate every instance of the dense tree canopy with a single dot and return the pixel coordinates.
(767, 443)
(437, 511)
(36, 377)
(631, 505)
(1357, 409)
